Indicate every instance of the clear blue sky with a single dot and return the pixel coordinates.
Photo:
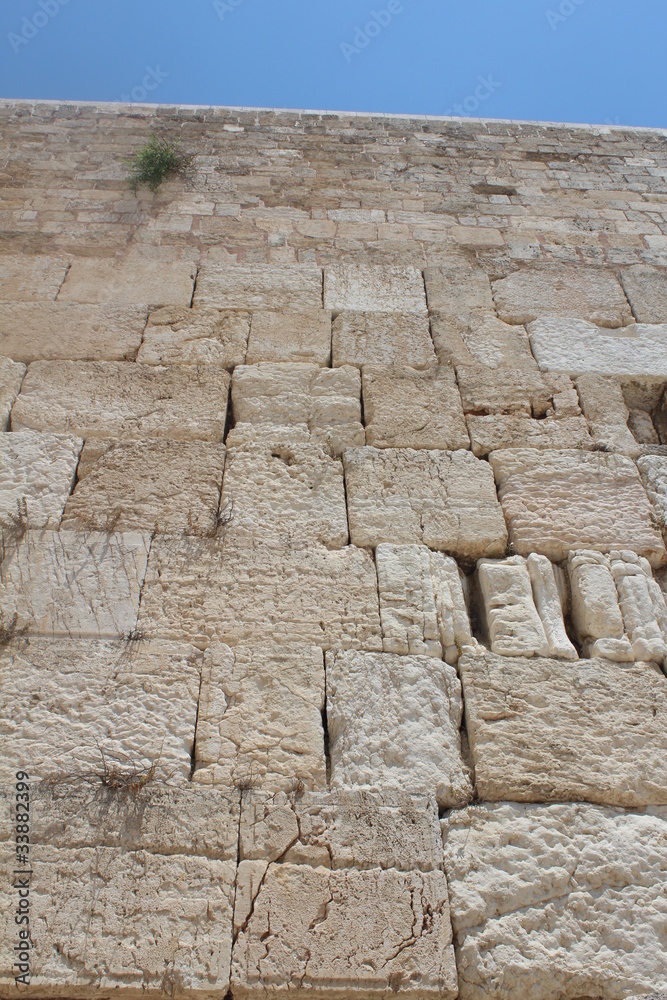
(601, 61)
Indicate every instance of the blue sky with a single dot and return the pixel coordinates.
(599, 61)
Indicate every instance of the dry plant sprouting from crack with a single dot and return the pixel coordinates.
(225, 515)
(10, 630)
(12, 533)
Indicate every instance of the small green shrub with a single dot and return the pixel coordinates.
(156, 161)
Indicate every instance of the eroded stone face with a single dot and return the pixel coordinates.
(11, 377)
(394, 723)
(150, 276)
(458, 289)
(579, 348)
(195, 336)
(367, 338)
(406, 408)
(583, 293)
(580, 877)
(31, 279)
(544, 731)
(291, 336)
(374, 289)
(58, 331)
(605, 409)
(481, 338)
(258, 286)
(653, 470)
(37, 472)
(646, 289)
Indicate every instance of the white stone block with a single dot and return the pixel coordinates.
(59, 331)
(580, 348)
(374, 289)
(37, 473)
(290, 336)
(258, 286)
(368, 338)
(24, 278)
(178, 335)
(586, 293)
(152, 276)
(512, 621)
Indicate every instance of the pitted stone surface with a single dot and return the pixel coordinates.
(99, 710)
(642, 606)
(291, 336)
(406, 408)
(394, 723)
(153, 277)
(653, 470)
(481, 339)
(583, 293)
(596, 614)
(60, 331)
(581, 348)
(177, 335)
(359, 288)
(258, 286)
(31, 279)
(559, 501)
(458, 288)
(382, 339)
(37, 472)
(605, 409)
(116, 399)
(551, 599)
(150, 485)
(513, 625)
(72, 583)
(11, 377)
(291, 922)
(646, 289)
(560, 900)
(541, 730)
(445, 500)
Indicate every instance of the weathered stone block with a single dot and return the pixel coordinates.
(381, 339)
(374, 289)
(561, 900)
(394, 723)
(595, 609)
(405, 408)
(481, 339)
(646, 289)
(642, 606)
(544, 731)
(195, 336)
(57, 331)
(258, 286)
(558, 501)
(607, 414)
(580, 348)
(150, 276)
(342, 933)
(550, 596)
(11, 377)
(516, 430)
(114, 399)
(458, 289)
(584, 293)
(513, 625)
(31, 279)
(37, 472)
(653, 470)
(259, 723)
(291, 336)
(445, 500)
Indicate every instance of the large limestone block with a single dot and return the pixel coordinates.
(116, 399)
(382, 339)
(37, 472)
(258, 286)
(346, 828)
(147, 485)
(259, 722)
(458, 288)
(606, 411)
(306, 594)
(585, 293)
(31, 279)
(653, 470)
(72, 583)
(406, 408)
(11, 377)
(557, 901)
(580, 348)
(290, 336)
(481, 338)
(284, 490)
(361, 288)
(542, 731)
(320, 404)
(394, 723)
(642, 606)
(152, 278)
(559, 501)
(131, 924)
(58, 331)
(342, 933)
(549, 588)
(445, 500)
(646, 289)
(114, 714)
(596, 614)
(195, 336)
(516, 430)
(512, 622)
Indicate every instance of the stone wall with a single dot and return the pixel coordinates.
(333, 498)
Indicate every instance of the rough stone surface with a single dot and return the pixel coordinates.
(405, 408)
(291, 336)
(259, 723)
(11, 377)
(258, 286)
(646, 289)
(141, 278)
(291, 921)
(580, 348)
(458, 288)
(31, 279)
(513, 625)
(550, 596)
(585, 293)
(59, 331)
(653, 470)
(605, 409)
(596, 614)
(382, 339)
(394, 723)
(445, 500)
(481, 339)
(358, 288)
(642, 606)
(541, 730)
(560, 900)
(195, 336)
(111, 399)
(37, 472)
(559, 501)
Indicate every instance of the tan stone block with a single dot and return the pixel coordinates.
(477, 236)
(481, 339)
(585, 293)
(11, 377)
(107, 399)
(132, 923)
(147, 485)
(605, 409)
(513, 625)
(382, 338)
(394, 722)
(517, 430)
(195, 336)
(502, 391)
(558, 501)
(586, 880)
(405, 408)
(37, 472)
(259, 723)
(149, 276)
(107, 713)
(642, 606)
(30, 279)
(646, 289)
(364, 288)
(458, 288)
(259, 286)
(71, 583)
(306, 594)
(653, 470)
(580, 348)
(291, 336)
(542, 731)
(445, 500)
(57, 331)
(342, 933)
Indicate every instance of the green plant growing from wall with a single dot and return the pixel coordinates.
(155, 161)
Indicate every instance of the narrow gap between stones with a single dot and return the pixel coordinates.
(60, 288)
(193, 754)
(135, 354)
(194, 287)
(325, 723)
